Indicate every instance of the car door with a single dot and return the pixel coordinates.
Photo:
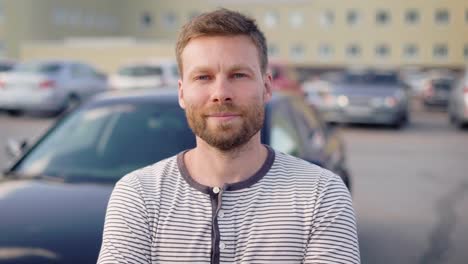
(311, 132)
(283, 134)
(78, 81)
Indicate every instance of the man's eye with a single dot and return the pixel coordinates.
(239, 75)
(202, 77)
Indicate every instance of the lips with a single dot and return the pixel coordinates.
(223, 116)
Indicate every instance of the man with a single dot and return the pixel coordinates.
(230, 199)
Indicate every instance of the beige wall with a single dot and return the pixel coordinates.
(33, 20)
(105, 56)
(311, 35)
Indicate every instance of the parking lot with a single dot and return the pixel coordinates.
(410, 186)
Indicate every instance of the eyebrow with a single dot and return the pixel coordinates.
(235, 67)
(243, 67)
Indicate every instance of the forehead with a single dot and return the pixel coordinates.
(220, 51)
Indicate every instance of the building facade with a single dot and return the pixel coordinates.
(325, 33)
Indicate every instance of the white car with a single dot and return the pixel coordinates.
(458, 102)
(145, 75)
(48, 86)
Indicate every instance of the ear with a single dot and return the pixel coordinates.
(267, 82)
(181, 94)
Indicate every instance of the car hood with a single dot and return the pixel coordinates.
(51, 222)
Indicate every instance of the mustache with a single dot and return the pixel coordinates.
(222, 108)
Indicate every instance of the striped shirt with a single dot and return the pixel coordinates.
(290, 211)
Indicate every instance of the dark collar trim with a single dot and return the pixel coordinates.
(228, 187)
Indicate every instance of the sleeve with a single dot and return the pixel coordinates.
(126, 236)
(333, 237)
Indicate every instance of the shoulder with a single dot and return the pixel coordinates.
(147, 178)
(293, 167)
(303, 174)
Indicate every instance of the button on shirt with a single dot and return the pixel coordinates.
(290, 211)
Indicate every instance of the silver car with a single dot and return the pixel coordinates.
(458, 102)
(145, 75)
(367, 98)
(48, 85)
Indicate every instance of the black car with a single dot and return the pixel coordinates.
(437, 91)
(53, 199)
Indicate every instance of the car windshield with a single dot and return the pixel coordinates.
(442, 84)
(104, 143)
(140, 71)
(36, 67)
(383, 79)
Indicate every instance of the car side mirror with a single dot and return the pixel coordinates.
(15, 149)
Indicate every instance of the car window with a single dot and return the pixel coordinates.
(80, 71)
(384, 79)
(140, 71)
(283, 134)
(107, 142)
(309, 125)
(36, 67)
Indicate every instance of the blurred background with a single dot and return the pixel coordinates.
(390, 77)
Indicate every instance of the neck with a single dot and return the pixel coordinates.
(212, 167)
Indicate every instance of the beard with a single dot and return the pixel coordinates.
(226, 136)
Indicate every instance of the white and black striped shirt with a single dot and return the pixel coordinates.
(290, 211)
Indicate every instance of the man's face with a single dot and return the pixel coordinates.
(223, 90)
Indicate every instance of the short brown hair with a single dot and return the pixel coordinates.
(222, 22)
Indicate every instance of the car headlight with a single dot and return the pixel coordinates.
(342, 101)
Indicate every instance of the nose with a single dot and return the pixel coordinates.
(221, 91)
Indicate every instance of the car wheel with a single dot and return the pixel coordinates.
(457, 122)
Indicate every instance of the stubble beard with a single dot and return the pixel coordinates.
(226, 137)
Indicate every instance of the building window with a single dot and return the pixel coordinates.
(169, 20)
(297, 52)
(440, 51)
(74, 18)
(296, 19)
(410, 51)
(271, 19)
(412, 17)
(465, 52)
(59, 16)
(382, 51)
(382, 17)
(466, 16)
(442, 17)
(352, 17)
(146, 20)
(353, 51)
(2, 12)
(2, 50)
(273, 50)
(326, 18)
(325, 51)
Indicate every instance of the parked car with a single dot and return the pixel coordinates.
(53, 198)
(458, 102)
(146, 75)
(367, 97)
(437, 89)
(285, 77)
(317, 92)
(415, 79)
(49, 85)
(6, 65)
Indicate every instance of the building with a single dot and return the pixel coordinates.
(321, 33)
